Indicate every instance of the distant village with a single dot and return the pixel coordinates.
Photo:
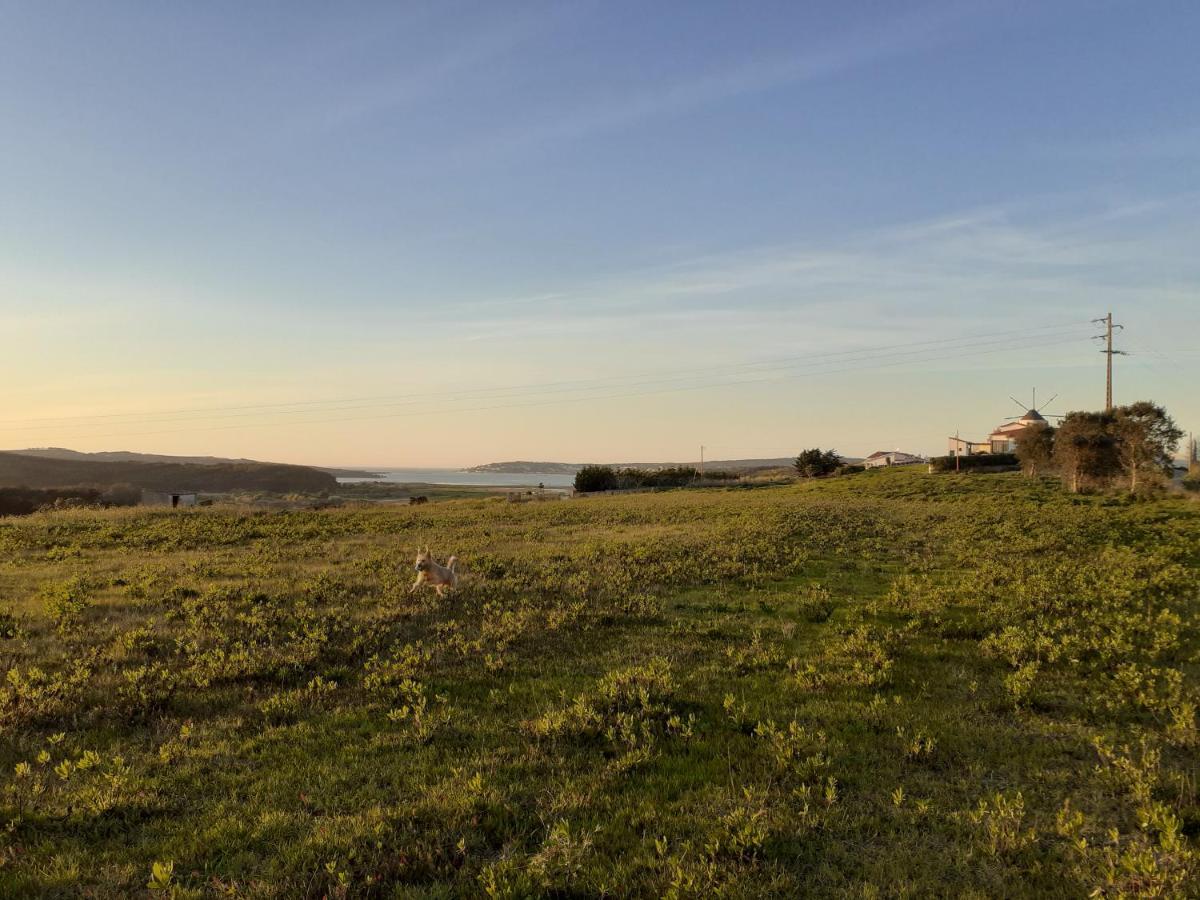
(1003, 439)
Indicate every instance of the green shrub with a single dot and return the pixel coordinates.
(146, 689)
(595, 478)
(34, 695)
(629, 709)
(10, 627)
(816, 604)
(66, 603)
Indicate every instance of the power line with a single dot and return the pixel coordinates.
(871, 361)
(1110, 353)
(458, 391)
(970, 352)
(518, 391)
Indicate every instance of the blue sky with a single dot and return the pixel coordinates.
(455, 232)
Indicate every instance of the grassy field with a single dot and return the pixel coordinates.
(894, 684)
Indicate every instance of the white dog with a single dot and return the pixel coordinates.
(440, 578)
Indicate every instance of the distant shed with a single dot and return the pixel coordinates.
(173, 499)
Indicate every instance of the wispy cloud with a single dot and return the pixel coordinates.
(415, 83)
(1031, 257)
(889, 37)
(409, 77)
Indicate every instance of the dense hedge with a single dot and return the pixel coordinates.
(606, 478)
(672, 476)
(975, 461)
(21, 501)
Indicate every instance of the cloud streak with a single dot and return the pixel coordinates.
(896, 37)
(1033, 258)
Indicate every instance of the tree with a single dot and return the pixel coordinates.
(1035, 448)
(595, 478)
(815, 462)
(1146, 439)
(1085, 449)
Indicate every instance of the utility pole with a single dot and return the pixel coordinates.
(1108, 350)
(701, 462)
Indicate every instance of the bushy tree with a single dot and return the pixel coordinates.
(1146, 439)
(1135, 441)
(1085, 448)
(1035, 448)
(815, 462)
(595, 478)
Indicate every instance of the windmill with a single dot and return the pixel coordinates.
(1003, 438)
(1032, 415)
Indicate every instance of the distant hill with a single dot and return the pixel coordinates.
(559, 468)
(23, 470)
(125, 456)
(131, 456)
(348, 473)
(521, 467)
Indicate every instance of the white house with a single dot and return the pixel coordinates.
(1003, 438)
(881, 458)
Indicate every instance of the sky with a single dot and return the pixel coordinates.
(449, 233)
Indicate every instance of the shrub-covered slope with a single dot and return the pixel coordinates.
(17, 470)
(896, 684)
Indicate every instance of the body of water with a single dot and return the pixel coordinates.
(479, 479)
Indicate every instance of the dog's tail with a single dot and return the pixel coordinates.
(451, 563)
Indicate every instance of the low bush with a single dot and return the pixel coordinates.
(816, 604)
(975, 461)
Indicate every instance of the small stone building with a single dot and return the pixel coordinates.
(173, 499)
